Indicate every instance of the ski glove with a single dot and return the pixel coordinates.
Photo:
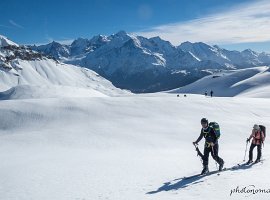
(248, 140)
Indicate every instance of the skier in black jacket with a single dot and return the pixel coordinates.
(211, 145)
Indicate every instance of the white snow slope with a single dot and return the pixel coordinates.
(46, 78)
(119, 148)
(250, 82)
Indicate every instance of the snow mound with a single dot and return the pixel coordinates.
(250, 82)
(38, 92)
(47, 72)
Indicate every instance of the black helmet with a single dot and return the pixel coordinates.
(204, 120)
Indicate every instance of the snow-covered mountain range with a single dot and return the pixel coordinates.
(147, 65)
(26, 74)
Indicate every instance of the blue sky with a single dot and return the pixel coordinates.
(234, 24)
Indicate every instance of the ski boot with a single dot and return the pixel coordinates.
(221, 164)
(205, 170)
(249, 162)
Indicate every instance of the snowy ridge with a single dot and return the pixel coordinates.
(49, 73)
(250, 82)
(4, 41)
(46, 91)
(29, 74)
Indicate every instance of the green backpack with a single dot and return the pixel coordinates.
(216, 128)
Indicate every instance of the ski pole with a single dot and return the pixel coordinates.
(245, 151)
(198, 152)
(216, 165)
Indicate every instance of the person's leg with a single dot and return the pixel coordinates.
(206, 156)
(251, 152)
(259, 152)
(205, 159)
(215, 156)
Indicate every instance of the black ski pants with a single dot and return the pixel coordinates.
(259, 151)
(214, 154)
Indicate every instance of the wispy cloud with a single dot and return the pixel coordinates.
(65, 41)
(145, 12)
(5, 26)
(13, 23)
(50, 39)
(241, 24)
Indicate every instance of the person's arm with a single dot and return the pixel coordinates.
(199, 138)
(251, 135)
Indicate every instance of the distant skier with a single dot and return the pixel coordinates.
(205, 93)
(211, 145)
(211, 93)
(258, 138)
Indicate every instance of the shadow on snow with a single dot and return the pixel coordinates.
(193, 180)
